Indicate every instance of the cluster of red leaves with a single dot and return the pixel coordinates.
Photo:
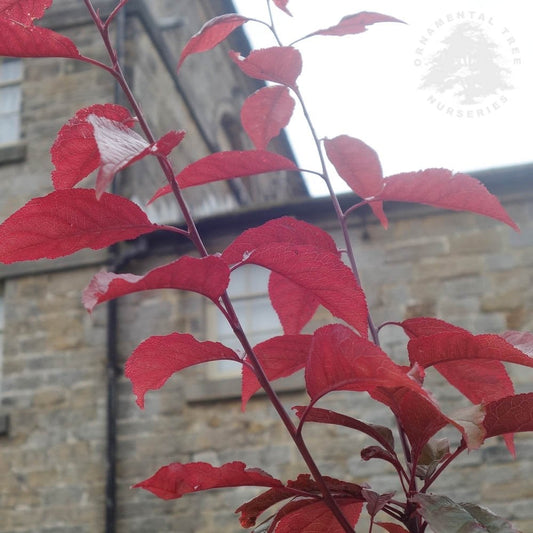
(306, 271)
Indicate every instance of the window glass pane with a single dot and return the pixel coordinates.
(9, 99)
(248, 280)
(258, 318)
(10, 69)
(9, 128)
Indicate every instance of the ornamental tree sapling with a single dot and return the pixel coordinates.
(307, 270)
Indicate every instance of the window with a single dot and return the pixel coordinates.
(10, 99)
(248, 291)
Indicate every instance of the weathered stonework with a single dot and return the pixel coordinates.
(53, 462)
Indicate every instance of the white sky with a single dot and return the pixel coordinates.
(367, 85)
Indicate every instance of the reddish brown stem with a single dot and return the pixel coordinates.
(196, 239)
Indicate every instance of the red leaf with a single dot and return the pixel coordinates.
(357, 23)
(158, 357)
(251, 510)
(208, 276)
(472, 364)
(280, 357)
(320, 273)
(317, 517)
(381, 434)
(376, 501)
(302, 253)
(20, 38)
(75, 152)
(280, 64)
(227, 165)
(120, 146)
(421, 418)
(392, 528)
(426, 326)
(265, 113)
(294, 306)
(101, 136)
(211, 34)
(357, 164)
(280, 230)
(66, 221)
(452, 347)
(442, 188)
(176, 479)
(341, 360)
(337, 487)
(282, 4)
(513, 414)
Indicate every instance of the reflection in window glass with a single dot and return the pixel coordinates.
(10, 99)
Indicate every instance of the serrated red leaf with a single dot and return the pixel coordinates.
(176, 479)
(280, 230)
(101, 136)
(279, 357)
(322, 274)
(228, 165)
(421, 418)
(158, 357)
(265, 113)
(442, 188)
(472, 364)
(317, 517)
(294, 306)
(392, 528)
(427, 326)
(375, 501)
(21, 38)
(341, 360)
(357, 23)
(454, 346)
(119, 147)
(251, 510)
(212, 33)
(357, 164)
(66, 221)
(75, 152)
(279, 64)
(208, 276)
(282, 4)
(381, 434)
(513, 414)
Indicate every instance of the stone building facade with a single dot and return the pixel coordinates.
(73, 440)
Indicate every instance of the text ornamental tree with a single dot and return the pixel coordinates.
(306, 271)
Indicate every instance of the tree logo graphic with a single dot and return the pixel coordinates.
(466, 64)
